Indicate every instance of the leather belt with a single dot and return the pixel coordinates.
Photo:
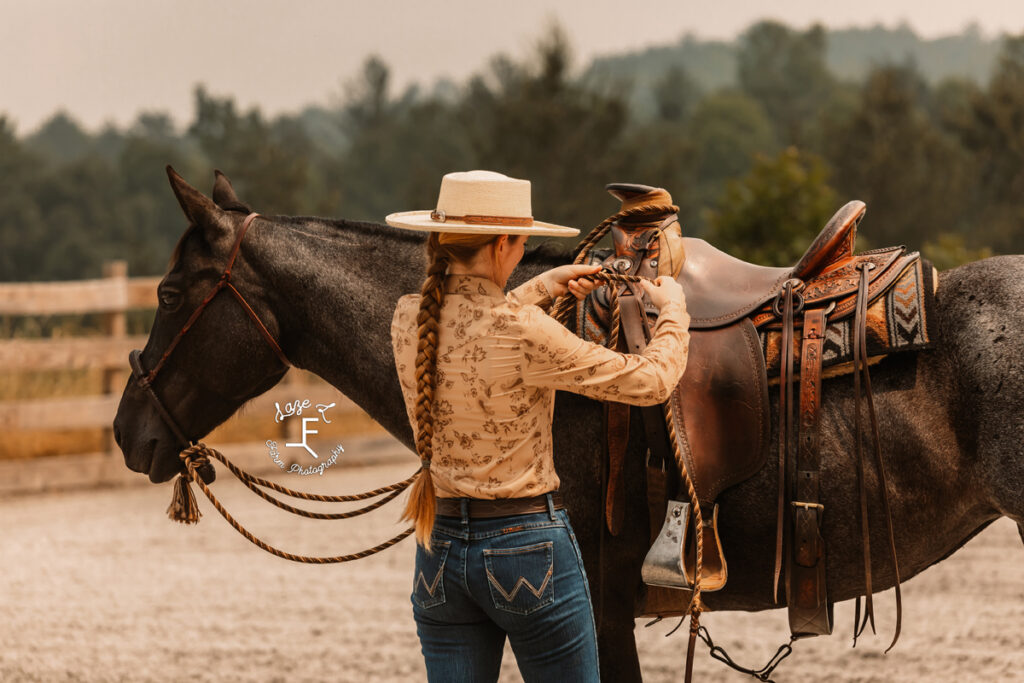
(499, 507)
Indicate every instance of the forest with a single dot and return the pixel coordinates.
(758, 154)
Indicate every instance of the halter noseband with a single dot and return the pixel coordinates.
(146, 379)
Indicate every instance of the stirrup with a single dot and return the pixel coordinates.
(663, 565)
(671, 560)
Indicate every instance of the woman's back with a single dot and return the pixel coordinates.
(499, 360)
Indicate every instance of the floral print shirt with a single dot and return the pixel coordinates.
(500, 359)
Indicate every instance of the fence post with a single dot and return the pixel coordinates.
(115, 327)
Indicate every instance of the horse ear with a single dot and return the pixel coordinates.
(200, 210)
(224, 194)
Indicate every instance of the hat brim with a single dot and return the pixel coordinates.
(421, 220)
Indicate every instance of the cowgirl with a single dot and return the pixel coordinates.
(478, 370)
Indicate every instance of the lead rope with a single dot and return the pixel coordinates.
(567, 302)
(184, 508)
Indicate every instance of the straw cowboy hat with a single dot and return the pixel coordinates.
(480, 202)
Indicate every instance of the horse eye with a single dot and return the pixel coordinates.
(169, 300)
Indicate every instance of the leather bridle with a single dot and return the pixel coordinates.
(145, 379)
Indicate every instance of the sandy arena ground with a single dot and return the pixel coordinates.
(101, 586)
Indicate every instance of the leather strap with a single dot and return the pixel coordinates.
(617, 415)
(146, 379)
(224, 281)
(785, 427)
(860, 365)
(810, 611)
(483, 508)
(519, 221)
(617, 432)
(859, 327)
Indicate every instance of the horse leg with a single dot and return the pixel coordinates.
(613, 592)
(616, 644)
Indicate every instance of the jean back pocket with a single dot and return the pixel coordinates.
(520, 579)
(428, 586)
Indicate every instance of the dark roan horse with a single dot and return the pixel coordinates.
(950, 418)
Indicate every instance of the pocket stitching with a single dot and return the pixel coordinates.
(435, 589)
(545, 586)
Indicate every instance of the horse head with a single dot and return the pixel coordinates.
(206, 354)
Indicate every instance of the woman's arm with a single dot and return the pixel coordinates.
(543, 289)
(554, 357)
(533, 291)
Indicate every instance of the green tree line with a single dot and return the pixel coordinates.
(757, 166)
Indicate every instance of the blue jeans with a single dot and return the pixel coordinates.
(519, 576)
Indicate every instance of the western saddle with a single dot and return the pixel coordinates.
(750, 326)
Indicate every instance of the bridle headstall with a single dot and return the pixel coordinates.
(145, 379)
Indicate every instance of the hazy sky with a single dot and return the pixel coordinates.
(104, 60)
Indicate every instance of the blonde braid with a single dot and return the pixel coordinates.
(421, 506)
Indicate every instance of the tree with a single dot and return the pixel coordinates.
(22, 232)
(888, 153)
(676, 95)
(398, 147)
(993, 131)
(532, 120)
(949, 250)
(271, 174)
(771, 215)
(60, 139)
(786, 72)
(726, 131)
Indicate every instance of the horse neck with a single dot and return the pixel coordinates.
(334, 286)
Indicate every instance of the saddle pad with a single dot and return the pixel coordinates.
(900, 319)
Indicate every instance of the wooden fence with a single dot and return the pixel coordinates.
(112, 296)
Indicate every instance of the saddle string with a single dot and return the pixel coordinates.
(183, 507)
(785, 428)
(860, 359)
(869, 612)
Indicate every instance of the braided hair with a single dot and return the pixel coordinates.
(443, 248)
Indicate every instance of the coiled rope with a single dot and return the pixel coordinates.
(184, 507)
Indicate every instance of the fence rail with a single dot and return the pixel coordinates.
(113, 296)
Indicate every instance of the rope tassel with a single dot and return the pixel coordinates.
(184, 507)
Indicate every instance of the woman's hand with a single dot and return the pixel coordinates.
(566, 279)
(662, 290)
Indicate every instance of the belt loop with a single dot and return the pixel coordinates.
(551, 506)
(464, 505)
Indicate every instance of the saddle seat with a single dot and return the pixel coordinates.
(720, 289)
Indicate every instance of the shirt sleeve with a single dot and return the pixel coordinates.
(533, 291)
(556, 358)
(401, 340)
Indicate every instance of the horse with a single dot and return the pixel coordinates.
(950, 417)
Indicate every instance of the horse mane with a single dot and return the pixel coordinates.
(547, 251)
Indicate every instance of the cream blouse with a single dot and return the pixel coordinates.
(500, 359)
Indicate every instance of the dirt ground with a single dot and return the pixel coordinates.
(101, 586)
